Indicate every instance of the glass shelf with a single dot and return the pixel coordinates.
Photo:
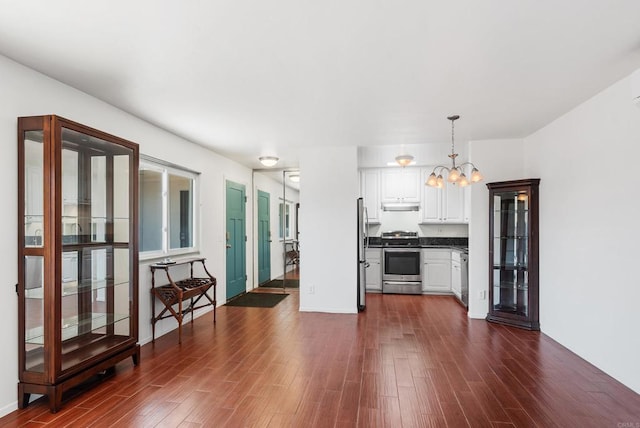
(70, 326)
(506, 286)
(510, 267)
(72, 288)
(511, 211)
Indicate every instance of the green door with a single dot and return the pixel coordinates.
(236, 239)
(264, 238)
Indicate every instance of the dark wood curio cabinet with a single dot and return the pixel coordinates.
(513, 253)
(77, 255)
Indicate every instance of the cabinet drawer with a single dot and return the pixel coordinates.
(436, 254)
(373, 254)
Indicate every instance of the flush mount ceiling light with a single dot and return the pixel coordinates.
(455, 174)
(295, 177)
(268, 160)
(404, 160)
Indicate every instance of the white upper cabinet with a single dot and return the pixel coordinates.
(453, 202)
(442, 205)
(370, 191)
(400, 185)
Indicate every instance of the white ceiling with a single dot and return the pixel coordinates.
(254, 77)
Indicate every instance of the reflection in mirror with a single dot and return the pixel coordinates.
(34, 312)
(180, 211)
(98, 198)
(34, 189)
(70, 223)
(121, 198)
(150, 210)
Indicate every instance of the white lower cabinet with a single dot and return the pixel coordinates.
(436, 270)
(456, 274)
(374, 271)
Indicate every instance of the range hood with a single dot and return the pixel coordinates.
(400, 206)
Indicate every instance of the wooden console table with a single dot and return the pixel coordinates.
(191, 289)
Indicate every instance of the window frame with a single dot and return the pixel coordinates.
(148, 163)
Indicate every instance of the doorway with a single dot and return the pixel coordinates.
(236, 239)
(264, 237)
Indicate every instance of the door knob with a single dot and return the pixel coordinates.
(228, 246)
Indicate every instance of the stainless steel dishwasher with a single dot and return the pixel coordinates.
(464, 272)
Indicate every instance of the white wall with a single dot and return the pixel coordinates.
(328, 237)
(498, 160)
(274, 189)
(26, 93)
(589, 233)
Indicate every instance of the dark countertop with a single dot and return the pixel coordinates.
(461, 244)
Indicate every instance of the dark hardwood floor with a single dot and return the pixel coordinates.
(408, 361)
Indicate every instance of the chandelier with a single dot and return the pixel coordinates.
(455, 174)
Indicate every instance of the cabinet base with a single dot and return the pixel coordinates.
(526, 325)
(99, 371)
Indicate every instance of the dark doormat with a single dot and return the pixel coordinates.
(257, 300)
(277, 283)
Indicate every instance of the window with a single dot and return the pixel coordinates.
(286, 208)
(167, 209)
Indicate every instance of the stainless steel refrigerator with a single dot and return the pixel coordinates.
(362, 255)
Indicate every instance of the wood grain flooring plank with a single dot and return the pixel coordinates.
(391, 414)
(473, 409)
(427, 398)
(489, 403)
(453, 414)
(349, 402)
(520, 418)
(405, 361)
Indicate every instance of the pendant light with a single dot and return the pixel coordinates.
(455, 173)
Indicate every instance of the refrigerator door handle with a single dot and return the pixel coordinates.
(366, 226)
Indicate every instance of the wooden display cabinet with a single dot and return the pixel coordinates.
(513, 253)
(77, 255)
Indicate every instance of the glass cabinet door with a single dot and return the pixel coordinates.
(513, 253)
(33, 332)
(95, 296)
(510, 277)
(77, 247)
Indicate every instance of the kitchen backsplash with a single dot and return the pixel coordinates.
(410, 221)
(432, 230)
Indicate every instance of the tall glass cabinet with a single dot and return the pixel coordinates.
(513, 253)
(78, 255)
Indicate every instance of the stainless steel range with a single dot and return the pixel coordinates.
(402, 263)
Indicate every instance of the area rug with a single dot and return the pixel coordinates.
(257, 300)
(277, 283)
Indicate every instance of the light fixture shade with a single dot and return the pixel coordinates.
(462, 181)
(268, 161)
(404, 160)
(295, 177)
(475, 175)
(432, 180)
(454, 174)
(440, 181)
